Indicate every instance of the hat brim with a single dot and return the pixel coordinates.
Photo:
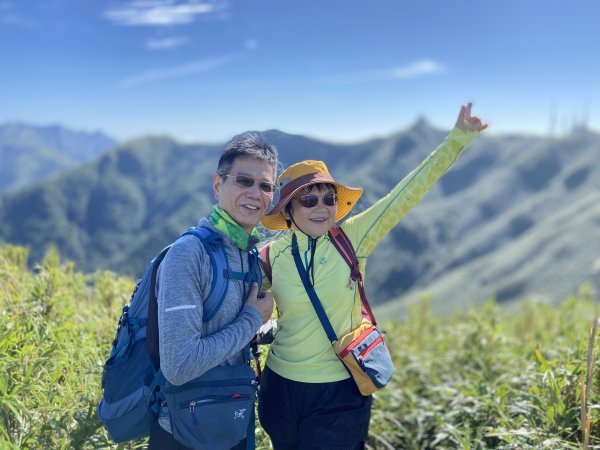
(347, 198)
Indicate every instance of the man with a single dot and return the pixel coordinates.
(190, 346)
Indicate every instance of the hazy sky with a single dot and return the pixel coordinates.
(335, 69)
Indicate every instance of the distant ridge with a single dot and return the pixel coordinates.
(517, 216)
(32, 153)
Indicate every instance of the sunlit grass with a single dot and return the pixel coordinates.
(483, 378)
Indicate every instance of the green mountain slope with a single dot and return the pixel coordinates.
(516, 215)
(526, 225)
(132, 200)
(29, 154)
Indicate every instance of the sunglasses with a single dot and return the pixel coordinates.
(247, 182)
(311, 200)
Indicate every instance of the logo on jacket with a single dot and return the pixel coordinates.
(239, 414)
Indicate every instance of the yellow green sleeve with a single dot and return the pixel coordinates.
(369, 227)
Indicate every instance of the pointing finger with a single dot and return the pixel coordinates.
(468, 111)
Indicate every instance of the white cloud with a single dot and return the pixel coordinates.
(412, 70)
(166, 43)
(177, 71)
(417, 69)
(160, 12)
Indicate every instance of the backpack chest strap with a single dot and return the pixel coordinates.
(247, 277)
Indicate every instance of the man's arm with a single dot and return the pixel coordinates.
(184, 281)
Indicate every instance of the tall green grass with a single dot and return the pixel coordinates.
(484, 378)
(56, 326)
(490, 378)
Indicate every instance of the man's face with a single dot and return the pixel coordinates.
(245, 205)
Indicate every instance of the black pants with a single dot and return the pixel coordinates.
(306, 416)
(163, 440)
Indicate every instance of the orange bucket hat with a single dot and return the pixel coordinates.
(297, 177)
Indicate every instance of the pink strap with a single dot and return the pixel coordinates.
(342, 243)
(265, 263)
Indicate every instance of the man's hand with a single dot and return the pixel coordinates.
(262, 301)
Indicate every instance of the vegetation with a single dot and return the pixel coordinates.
(56, 326)
(489, 378)
(485, 378)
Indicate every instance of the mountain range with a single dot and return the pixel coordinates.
(32, 153)
(517, 216)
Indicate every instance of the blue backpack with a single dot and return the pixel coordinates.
(132, 382)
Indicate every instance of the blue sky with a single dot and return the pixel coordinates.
(337, 70)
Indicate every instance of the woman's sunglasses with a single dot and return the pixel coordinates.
(311, 200)
(247, 182)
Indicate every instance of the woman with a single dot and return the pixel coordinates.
(307, 400)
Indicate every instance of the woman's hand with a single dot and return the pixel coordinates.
(467, 122)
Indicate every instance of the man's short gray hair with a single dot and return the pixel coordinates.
(251, 145)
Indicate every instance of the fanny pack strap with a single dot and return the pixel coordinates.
(310, 290)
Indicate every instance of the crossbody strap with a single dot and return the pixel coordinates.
(310, 290)
(342, 243)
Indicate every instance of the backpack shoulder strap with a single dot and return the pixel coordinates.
(265, 262)
(342, 243)
(213, 243)
(255, 266)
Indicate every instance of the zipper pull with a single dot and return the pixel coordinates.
(193, 412)
(351, 284)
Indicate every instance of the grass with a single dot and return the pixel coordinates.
(485, 378)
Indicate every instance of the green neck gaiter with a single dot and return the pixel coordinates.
(226, 225)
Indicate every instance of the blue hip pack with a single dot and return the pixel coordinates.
(214, 411)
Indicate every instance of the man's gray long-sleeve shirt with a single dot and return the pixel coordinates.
(188, 346)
